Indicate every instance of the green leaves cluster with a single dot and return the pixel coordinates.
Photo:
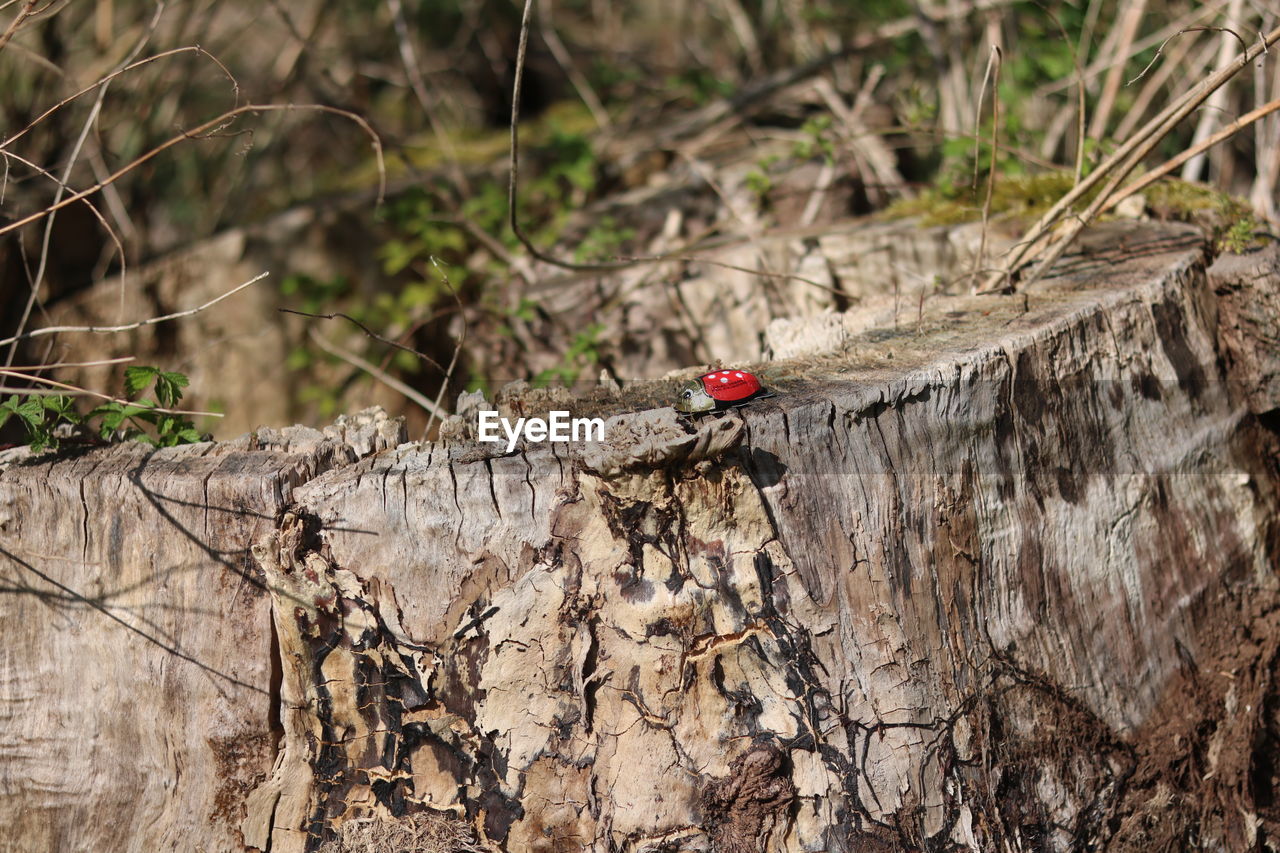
(39, 415)
(130, 419)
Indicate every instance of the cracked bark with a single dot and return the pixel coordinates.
(966, 586)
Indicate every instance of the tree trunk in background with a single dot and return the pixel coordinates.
(1002, 579)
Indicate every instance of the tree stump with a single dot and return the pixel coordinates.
(998, 578)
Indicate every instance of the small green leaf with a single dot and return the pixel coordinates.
(32, 411)
(180, 380)
(138, 378)
(169, 388)
(62, 407)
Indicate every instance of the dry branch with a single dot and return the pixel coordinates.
(211, 126)
(1041, 247)
(28, 9)
(377, 373)
(1173, 163)
(58, 330)
(63, 389)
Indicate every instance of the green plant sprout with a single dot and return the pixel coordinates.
(130, 419)
(819, 139)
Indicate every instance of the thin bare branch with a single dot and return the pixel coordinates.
(362, 327)
(1218, 100)
(113, 75)
(373, 370)
(213, 125)
(1183, 31)
(1266, 157)
(1168, 166)
(1180, 61)
(1114, 170)
(63, 389)
(694, 259)
(58, 330)
(457, 348)
(27, 10)
(514, 182)
(97, 214)
(98, 363)
(993, 72)
(46, 240)
(1108, 57)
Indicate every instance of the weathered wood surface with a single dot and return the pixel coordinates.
(137, 703)
(1002, 580)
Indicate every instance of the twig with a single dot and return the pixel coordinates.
(694, 259)
(418, 83)
(1266, 157)
(362, 327)
(1108, 57)
(992, 73)
(992, 59)
(97, 214)
(47, 237)
(1176, 62)
(114, 74)
(514, 182)
(371, 369)
(58, 330)
(212, 125)
(98, 363)
(25, 12)
(74, 156)
(457, 347)
(1132, 17)
(576, 77)
(1165, 168)
(77, 391)
(1218, 100)
(1115, 168)
(1183, 31)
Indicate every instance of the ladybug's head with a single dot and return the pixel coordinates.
(694, 399)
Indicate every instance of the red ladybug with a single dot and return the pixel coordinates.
(719, 390)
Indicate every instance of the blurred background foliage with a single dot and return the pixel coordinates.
(614, 92)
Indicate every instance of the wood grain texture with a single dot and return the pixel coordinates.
(1249, 300)
(953, 586)
(137, 703)
(1003, 578)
